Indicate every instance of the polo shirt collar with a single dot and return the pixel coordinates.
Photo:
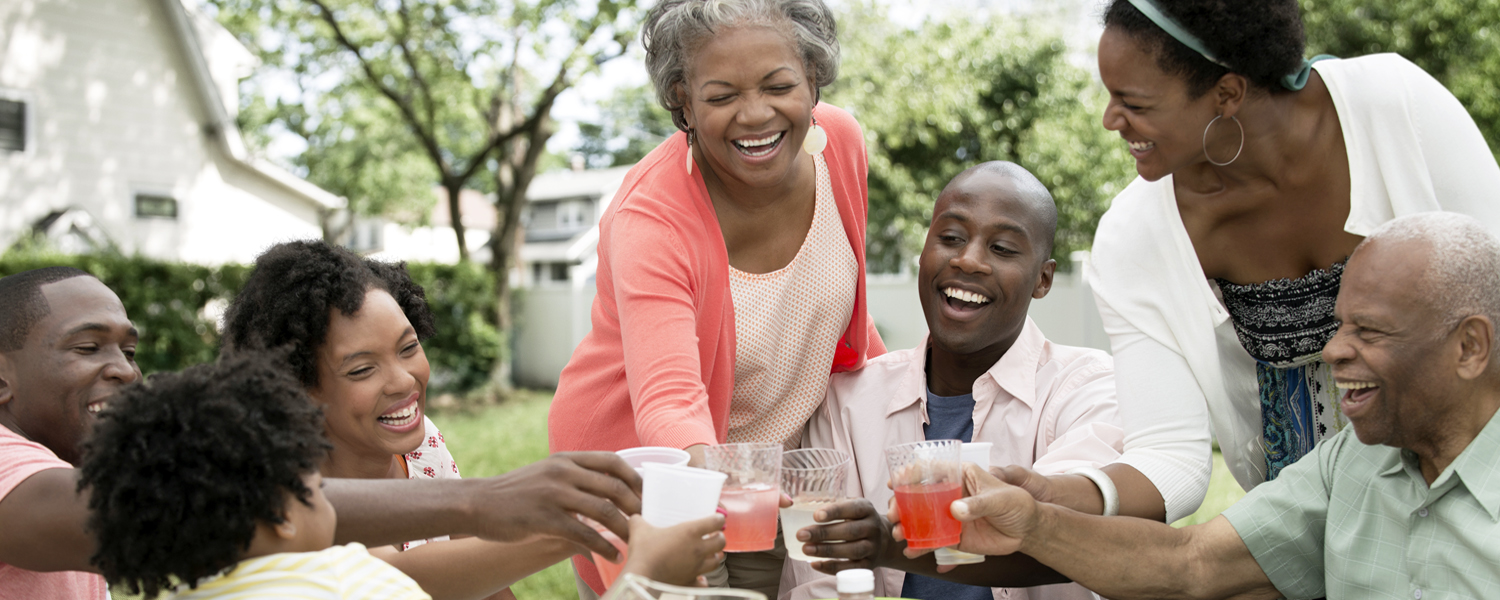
(1477, 468)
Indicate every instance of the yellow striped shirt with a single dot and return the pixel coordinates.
(339, 573)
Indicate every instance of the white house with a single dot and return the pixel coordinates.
(117, 128)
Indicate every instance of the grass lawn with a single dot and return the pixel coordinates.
(497, 439)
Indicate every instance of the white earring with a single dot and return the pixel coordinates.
(690, 152)
(816, 139)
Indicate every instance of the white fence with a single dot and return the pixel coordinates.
(550, 321)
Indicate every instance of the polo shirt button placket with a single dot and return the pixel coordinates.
(1422, 513)
(1417, 593)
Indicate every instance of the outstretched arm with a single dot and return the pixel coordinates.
(1117, 557)
(536, 501)
(471, 568)
(43, 520)
(864, 542)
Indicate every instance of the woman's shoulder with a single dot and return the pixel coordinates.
(838, 122)
(1139, 216)
(431, 459)
(1376, 80)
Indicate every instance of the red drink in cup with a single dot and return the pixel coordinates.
(751, 493)
(608, 571)
(750, 517)
(925, 514)
(925, 476)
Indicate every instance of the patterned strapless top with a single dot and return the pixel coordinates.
(1284, 324)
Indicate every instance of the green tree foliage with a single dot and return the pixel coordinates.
(631, 123)
(940, 97)
(1457, 41)
(174, 305)
(466, 85)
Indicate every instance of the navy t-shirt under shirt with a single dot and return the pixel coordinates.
(948, 418)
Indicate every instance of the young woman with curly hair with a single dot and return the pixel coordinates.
(351, 329)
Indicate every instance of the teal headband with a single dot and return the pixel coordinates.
(1293, 81)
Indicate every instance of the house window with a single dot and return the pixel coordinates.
(155, 206)
(559, 271)
(12, 125)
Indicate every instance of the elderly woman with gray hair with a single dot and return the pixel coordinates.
(731, 262)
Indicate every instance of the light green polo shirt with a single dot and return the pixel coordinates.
(1355, 521)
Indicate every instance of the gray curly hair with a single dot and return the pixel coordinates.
(1463, 273)
(675, 29)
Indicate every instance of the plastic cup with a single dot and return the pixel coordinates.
(751, 493)
(979, 454)
(925, 476)
(672, 494)
(608, 571)
(638, 457)
(813, 477)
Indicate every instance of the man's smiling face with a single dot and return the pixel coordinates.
(73, 360)
(985, 258)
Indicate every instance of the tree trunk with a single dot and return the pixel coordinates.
(517, 167)
(456, 215)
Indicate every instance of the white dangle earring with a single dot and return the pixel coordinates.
(690, 152)
(816, 139)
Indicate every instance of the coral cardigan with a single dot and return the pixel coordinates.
(657, 369)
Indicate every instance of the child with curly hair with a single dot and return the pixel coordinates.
(207, 480)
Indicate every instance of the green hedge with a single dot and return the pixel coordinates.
(171, 304)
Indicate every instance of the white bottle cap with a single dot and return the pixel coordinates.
(856, 581)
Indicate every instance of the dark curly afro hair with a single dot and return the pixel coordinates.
(1260, 39)
(182, 468)
(291, 294)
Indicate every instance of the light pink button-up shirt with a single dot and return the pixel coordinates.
(1043, 405)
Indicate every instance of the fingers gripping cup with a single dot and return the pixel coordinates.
(813, 477)
(926, 478)
(751, 494)
(979, 454)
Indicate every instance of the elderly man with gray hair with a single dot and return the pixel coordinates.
(1409, 509)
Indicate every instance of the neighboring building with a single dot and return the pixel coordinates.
(559, 228)
(117, 130)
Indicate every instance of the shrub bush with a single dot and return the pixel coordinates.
(176, 307)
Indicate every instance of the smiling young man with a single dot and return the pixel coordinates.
(66, 347)
(1403, 504)
(985, 374)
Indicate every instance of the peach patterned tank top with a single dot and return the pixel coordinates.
(787, 324)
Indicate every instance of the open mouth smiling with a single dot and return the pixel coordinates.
(964, 300)
(758, 147)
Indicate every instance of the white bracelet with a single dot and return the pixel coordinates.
(1106, 488)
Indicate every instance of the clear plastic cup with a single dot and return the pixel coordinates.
(979, 454)
(638, 457)
(926, 479)
(814, 478)
(672, 494)
(751, 493)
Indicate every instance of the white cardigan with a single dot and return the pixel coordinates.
(1179, 365)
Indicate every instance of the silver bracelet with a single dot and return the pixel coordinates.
(1106, 488)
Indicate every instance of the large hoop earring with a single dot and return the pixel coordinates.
(1236, 152)
(690, 152)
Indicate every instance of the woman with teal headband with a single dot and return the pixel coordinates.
(1216, 271)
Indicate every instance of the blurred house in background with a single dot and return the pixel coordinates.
(559, 228)
(117, 130)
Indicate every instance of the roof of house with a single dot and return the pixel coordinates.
(195, 31)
